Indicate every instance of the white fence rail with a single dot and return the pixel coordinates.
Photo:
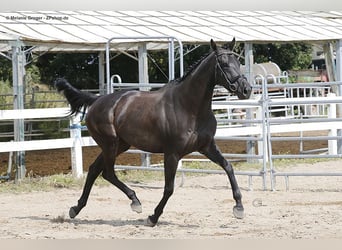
(75, 142)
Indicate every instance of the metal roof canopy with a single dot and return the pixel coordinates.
(90, 30)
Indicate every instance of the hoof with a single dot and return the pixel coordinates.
(72, 213)
(149, 222)
(136, 207)
(238, 212)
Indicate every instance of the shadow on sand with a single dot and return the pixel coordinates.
(114, 223)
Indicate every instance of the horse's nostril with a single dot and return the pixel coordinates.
(247, 91)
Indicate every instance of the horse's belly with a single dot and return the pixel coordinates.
(143, 140)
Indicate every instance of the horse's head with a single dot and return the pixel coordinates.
(227, 71)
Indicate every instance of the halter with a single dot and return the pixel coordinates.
(231, 86)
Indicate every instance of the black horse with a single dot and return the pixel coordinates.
(175, 120)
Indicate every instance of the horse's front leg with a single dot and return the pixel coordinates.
(214, 154)
(94, 171)
(170, 169)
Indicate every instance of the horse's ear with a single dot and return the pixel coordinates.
(213, 45)
(231, 45)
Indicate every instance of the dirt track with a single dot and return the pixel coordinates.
(201, 209)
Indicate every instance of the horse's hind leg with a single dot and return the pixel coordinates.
(109, 174)
(94, 171)
(112, 178)
(214, 154)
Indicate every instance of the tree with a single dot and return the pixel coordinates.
(288, 56)
(158, 62)
(5, 69)
(80, 69)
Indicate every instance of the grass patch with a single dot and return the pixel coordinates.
(36, 184)
(53, 182)
(238, 166)
(284, 163)
(246, 166)
(139, 176)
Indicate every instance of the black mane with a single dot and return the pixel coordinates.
(191, 68)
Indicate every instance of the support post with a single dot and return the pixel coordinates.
(329, 62)
(143, 65)
(249, 60)
(143, 78)
(108, 87)
(171, 60)
(102, 88)
(339, 90)
(18, 66)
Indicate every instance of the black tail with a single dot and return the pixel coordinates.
(75, 97)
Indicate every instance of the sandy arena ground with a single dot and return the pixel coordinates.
(201, 209)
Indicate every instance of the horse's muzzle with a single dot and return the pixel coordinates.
(245, 89)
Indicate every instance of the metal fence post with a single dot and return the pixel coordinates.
(249, 60)
(267, 156)
(332, 144)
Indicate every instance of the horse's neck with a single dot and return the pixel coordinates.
(197, 88)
